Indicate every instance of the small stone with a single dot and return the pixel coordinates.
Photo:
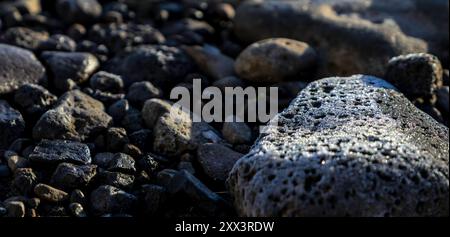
(106, 81)
(163, 66)
(155, 197)
(76, 31)
(345, 44)
(116, 139)
(443, 99)
(184, 182)
(68, 176)
(149, 163)
(69, 68)
(50, 194)
(12, 124)
(141, 139)
(153, 109)
(174, 131)
(139, 92)
(132, 150)
(19, 145)
(102, 159)
(18, 67)
(15, 209)
(16, 162)
(58, 42)
(211, 61)
(237, 132)
(106, 98)
(77, 196)
(59, 151)
(116, 179)
(276, 60)
(217, 160)
(83, 11)
(77, 210)
(108, 199)
(132, 121)
(25, 37)
(34, 99)
(121, 162)
(118, 162)
(118, 110)
(24, 181)
(415, 74)
(76, 116)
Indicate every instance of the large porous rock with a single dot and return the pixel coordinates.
(346, 147)
(76, 116)
(12, 124)
(345, 45)
(18, 67)
(161, 65)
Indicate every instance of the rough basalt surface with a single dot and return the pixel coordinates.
(346, 147)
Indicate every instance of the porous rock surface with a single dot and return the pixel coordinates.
(346, 147)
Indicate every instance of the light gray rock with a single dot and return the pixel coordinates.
(345, 45)
(346, 147)
(18, 67)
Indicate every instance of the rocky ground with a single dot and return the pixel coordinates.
(86, 127)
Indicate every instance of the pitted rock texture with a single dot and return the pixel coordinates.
(18, 67)
(346, 147)
(345, 45)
